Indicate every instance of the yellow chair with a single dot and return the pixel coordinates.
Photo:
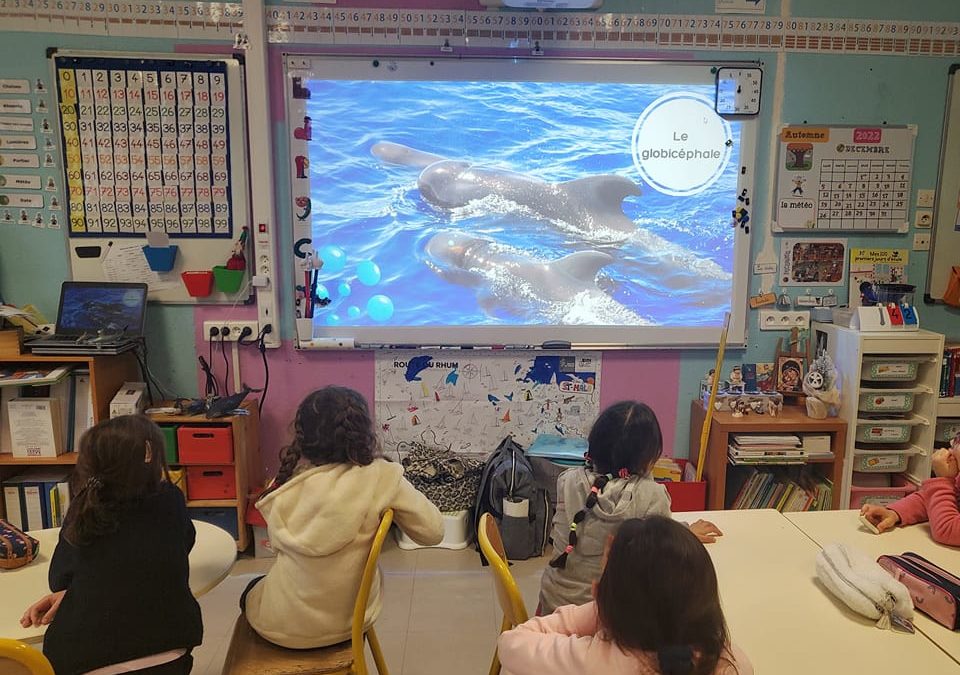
(25, 659)
(508, 594)
(250, 654)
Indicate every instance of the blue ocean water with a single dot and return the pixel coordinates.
(675, 270)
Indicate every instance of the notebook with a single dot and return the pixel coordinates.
(96, 318)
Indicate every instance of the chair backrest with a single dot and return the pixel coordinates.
(363, 595)
(32, 660)
(508, 594)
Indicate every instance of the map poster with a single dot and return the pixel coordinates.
(469, 400)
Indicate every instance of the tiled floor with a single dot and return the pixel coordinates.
(440, 614)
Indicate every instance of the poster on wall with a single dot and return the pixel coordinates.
(876, 266)
(813, 262)
(469, 401)
(844, 178)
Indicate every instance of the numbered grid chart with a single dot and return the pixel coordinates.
(863, 194)
(146, 146)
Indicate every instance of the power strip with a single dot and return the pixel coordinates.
(774, 319)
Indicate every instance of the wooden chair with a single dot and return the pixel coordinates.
(250, 654)
(17, 657)
(508, 594)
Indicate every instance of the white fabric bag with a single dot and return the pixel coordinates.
(864, 586)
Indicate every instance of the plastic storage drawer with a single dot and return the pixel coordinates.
(885, 461)
(211, 482)
(205, 445)
(894, 400)
(889, 370)
(886, 431)
(170, 443)
(224, 518)
(946, 430)
(881, 496)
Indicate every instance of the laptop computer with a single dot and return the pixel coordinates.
(96, 318)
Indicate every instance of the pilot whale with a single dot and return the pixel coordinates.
(564, 290)
(592, 205)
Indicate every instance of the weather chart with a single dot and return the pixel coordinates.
(146, 146)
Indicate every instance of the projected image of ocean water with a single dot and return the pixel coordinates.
(506, 203)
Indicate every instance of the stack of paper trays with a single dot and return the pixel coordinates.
(766, 449)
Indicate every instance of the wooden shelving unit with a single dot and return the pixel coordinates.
(246, 462)
(107, 375)
(793, 420)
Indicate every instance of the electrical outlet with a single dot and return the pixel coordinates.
(772, 319)
(923, 218)
(921, 241)
(236, 327)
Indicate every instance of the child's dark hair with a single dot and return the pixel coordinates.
(333, 426)
(658, 593)
(112, 472)
(625, 440)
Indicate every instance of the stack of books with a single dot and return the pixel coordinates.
(950, 373)
(766, 449)
(770, 489)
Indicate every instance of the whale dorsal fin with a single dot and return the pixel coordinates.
(396, 153)
(582, 265)
(606, 190)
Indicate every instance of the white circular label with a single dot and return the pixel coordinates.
(680, 144)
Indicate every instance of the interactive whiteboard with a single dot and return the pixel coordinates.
(496, 201)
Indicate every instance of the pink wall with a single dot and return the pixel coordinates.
(651, 376)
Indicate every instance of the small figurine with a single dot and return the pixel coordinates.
(735, 383)
(774, 406)
(758, 405)
(238, 261)
(740, 408)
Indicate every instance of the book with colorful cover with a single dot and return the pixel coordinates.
(766, 377)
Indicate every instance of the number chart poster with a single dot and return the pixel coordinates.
(146, 146)
(469, 401)
(844, 178)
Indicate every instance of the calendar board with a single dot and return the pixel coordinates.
(844, 178)
(151, 144)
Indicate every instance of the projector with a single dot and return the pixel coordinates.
(544, 4)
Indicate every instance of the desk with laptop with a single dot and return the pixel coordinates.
(95, 318)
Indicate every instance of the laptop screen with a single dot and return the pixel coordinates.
(87, 307)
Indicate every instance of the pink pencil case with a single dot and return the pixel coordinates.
(934, 591)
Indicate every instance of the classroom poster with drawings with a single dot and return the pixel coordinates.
(876, 266)
(469, 401)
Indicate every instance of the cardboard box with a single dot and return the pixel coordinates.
(130, 400)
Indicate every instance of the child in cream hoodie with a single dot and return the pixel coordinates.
(322, 512)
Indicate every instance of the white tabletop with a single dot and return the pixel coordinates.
(827, 527)
(212, 557)
(784, 620)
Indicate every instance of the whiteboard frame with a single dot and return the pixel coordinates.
(91, 269)
(946, 208)
(579, 337)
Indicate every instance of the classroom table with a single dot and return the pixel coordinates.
(211, 559)
(827, 527)
(781, 616)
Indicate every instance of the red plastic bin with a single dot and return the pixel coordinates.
(686, 495)
(205, 445)
(881, 496)
(211, 482)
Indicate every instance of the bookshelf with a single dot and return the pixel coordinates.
(948, 407)
(107, 375)
(246, 465)
(793, 420)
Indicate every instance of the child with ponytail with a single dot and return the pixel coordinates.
(322, 512)
(656, 611)
(121, 600)
(624, 443)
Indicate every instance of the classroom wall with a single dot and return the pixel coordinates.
(817, 88)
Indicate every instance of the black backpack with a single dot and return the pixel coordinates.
(521, 508)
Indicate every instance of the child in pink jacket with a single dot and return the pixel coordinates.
(657, 610)
(936, 501)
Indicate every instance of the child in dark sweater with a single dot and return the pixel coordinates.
(121, 600)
